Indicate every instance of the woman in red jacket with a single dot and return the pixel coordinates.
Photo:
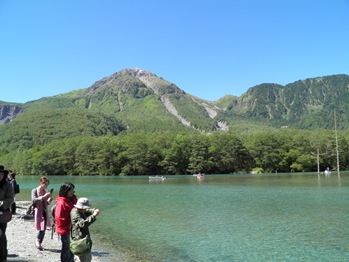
(65, 202)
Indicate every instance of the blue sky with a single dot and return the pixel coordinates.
(207, 48)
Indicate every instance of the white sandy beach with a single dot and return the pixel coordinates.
(21, 235)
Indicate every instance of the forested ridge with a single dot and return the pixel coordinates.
(135, 123)
(186, 153)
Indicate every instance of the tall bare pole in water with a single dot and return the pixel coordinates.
(318, 162)
(337, 149)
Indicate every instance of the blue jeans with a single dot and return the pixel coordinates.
(40, 235)
(66, 255)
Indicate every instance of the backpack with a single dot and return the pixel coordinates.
(17, 190)
(30, 210)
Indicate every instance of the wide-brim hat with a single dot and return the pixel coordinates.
(83, 203)
(2, 170)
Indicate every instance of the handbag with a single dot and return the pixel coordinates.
(81, 246)
(5, 216)
(30, 209)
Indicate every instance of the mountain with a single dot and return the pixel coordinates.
(136, 100)
(304, 104)
(139, 99)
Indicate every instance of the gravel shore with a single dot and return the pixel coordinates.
(21, 235)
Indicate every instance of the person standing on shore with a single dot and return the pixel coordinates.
(6, 200)
(65, 202)
(11, 177)
(40, 198)
(82, 216)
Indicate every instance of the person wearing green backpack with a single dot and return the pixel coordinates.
(82, 216)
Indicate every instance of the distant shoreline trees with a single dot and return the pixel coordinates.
(179, 154)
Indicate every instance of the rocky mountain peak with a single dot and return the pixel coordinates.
(134, 72)
(141, 73)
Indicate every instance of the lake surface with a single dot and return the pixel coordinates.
(268, 217)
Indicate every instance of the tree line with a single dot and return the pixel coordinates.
(181, 153)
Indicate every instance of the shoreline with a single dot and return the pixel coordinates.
(21, 234)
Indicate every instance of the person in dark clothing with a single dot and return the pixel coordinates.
(6, 200)
(11, 177)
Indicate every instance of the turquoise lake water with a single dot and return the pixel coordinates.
(269, 217)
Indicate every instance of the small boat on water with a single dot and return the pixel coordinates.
(199, 176)
(327, 172)
(157, 178)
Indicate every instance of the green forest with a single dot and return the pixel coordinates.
(135, 123)
(181, 153)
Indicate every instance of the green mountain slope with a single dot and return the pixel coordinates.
(136, 100)
(305, 104)
(136, 123)
(41, 126)
(144, 102)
